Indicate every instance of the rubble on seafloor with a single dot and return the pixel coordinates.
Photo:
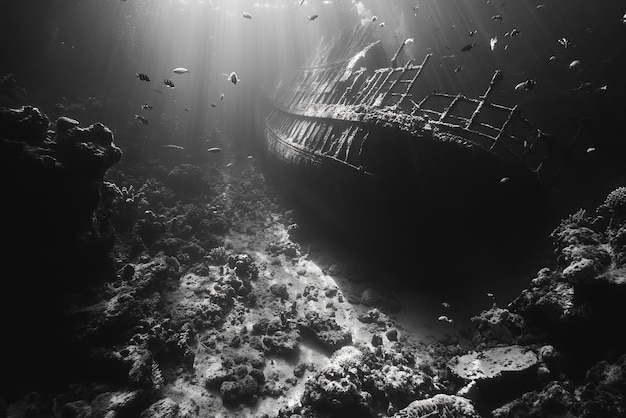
(205, 301)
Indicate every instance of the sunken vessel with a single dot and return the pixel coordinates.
(390, 157)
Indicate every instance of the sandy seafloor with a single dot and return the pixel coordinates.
(319, 264)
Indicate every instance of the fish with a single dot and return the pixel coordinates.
(590, 150)
(249, 157)
(574, 64)
(416, 9)
(496, 17)
(186, 109)
(159, 91)
(172, 146)
(382, 24)
(445, 304)
(408, 41)
(214, 150)
(221, 97)
(168, 83)
(229, 165)
(232, 77)
(453, 27)
(603, 88)
(181, 70)
(246, 15)
(468, 47)
(504, 180)
(554, 58)
(147, 106)
(540, 6)
(472, 32)
(143, 77)
(374, 18)
(141, 119)
(458, 69)
(514, 32)
(301, 3)
(312, 17)
(213, 105)
(564, 42)
(444, 318)
(491, 295)
(623, 19)
(493, 42)
(526, 85)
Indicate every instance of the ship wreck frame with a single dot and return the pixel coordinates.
(375, 141)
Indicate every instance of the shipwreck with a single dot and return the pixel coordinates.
(368, 143)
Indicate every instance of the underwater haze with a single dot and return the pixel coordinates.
(66, 50)
(313, 208)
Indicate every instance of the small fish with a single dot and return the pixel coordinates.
(453, 27)
(540, 6)
(408, 41)
(382, 24)
(147, 106)
(574, 64)
(554, 58)
(246, 15)
(301, 3)
(444, 318)
(468, 47)
(623, 19)
(249, 157)
(213, 105)
(159, 91)
(496, 17)
(416, 9)
(172, 146)
(491, 295)
(526, 85)
(229, 165)
(221, 97)
(232, 77)
(504, 180)
(515, 32)
(374, 18)
(445, 305)
(214, 150)
(143, 77)
(564, 42)
(168, 83)
(141, 119)
(493, 42)
(186, 109)
(603, 88)
(312, 17)
(472, 32)
(458, 69)
(590, 150)
(180, 70)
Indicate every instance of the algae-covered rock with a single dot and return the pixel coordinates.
(445, 406)
(492, 363)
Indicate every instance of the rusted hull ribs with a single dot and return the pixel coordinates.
(330, 112)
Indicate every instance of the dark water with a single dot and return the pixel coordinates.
(79, 58)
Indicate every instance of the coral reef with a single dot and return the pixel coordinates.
(59, 230)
